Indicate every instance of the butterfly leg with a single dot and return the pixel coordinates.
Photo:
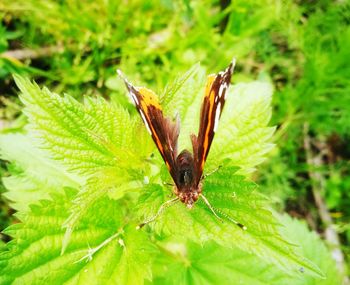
(215, 211)
(170, 185)
(211, 172)
(160, 211)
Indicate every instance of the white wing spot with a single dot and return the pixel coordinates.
(226, 94)
(217, 116)
(222, 89)
(146, 123)
(233, 65)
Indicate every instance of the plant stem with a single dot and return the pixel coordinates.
(317, 186)
(27, 53)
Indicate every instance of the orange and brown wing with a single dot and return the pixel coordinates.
(213, 103)
(164, 131)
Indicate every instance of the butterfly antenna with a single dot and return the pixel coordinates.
(165, 205)
(210, 206)
(215, 211)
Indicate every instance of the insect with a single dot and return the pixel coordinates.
(186, 168)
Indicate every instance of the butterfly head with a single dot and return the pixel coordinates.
(189, 197)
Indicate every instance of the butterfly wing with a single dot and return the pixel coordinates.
(213, 103)
(164, 131)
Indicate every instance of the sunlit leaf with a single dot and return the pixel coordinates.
(34, 174)
(234, 199)
(102, 249)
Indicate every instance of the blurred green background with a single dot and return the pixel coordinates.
(302, 46)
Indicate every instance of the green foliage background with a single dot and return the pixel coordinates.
(74, 166)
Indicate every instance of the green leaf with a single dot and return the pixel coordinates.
(2, 245)
(34, 174)
(87, 138)
(97, 187)
(314, 249)
(102, 249)
(96, 139)
(233, 198)
(243, 135)
(182, 84)
(102, 143)
(213, 264)
(191, 263)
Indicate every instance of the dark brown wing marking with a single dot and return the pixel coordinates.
(213, 103)
(164, 131)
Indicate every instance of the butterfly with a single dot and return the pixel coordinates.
(185, 168)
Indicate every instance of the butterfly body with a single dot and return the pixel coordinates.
(186, 187)
(185, 168)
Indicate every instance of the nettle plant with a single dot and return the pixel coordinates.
(84, 175)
